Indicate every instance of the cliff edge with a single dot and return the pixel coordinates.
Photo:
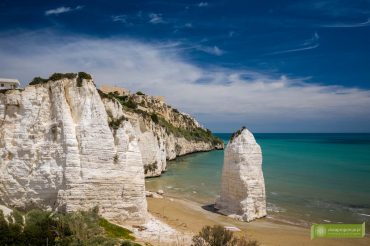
(58, 151)
(66, 146)
(163, 132)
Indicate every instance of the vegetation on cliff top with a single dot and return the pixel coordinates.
(125, 101)
(197, 134)
(58, 76)
(81, 77)
(38, 227)
(237, 133)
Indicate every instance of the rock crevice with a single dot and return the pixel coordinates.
(64, 155)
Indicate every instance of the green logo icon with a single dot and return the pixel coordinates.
(337, 230)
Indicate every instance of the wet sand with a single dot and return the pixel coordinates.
(186, 216)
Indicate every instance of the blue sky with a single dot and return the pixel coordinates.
(274, 66)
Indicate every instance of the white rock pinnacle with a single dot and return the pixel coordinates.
(243, 186)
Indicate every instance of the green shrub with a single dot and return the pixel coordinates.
(140, 93)
(129, 243)
(115, 123)
(154, 118)
(83, 228)
(105, 95)
(219, 236)
(130, 104)
(59, 76)
(150, 167)
(81, 77)
(38, 80)
(125, 101)
(195, 134)
(39, 227)
(214, 236)
(237, 133)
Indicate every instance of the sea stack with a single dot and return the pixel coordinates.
(243, 187)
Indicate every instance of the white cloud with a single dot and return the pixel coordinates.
(119, 18)
(349, 25)
(62, 10)
(223, 99)
(308, 44)
(213, 50)
(155, 18)
(203, 4)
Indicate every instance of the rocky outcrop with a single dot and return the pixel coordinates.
(59, 150)
(243, 186)
(163, 132)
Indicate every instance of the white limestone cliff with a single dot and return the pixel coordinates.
(242, 187)
(158, 146)
(157, 140)
(58, 152)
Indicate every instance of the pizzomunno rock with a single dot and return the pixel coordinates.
(243, 187)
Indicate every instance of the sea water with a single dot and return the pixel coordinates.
(309, 177)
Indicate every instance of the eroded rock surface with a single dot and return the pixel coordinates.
(243, 186)
(58, 152)
(163, 132)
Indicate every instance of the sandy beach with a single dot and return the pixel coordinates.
(188, 217)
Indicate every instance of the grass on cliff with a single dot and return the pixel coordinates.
(237, 133)
(58, 76)
(115, 231)
(194, 134)
(125, 101)
(38, 227)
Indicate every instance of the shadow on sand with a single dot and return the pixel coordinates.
(211, 208)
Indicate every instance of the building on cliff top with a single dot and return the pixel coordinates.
(109, 88)
(8, 84)
(160, 98)
(125, 92)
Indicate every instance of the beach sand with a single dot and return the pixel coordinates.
(189, 217)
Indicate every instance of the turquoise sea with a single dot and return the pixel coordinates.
(309, 177)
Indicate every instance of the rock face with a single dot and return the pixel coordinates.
(163, 132)
(58, 151)
(243, 186)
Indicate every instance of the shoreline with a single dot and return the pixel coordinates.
(188, 217)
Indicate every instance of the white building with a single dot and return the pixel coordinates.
(8, 83)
